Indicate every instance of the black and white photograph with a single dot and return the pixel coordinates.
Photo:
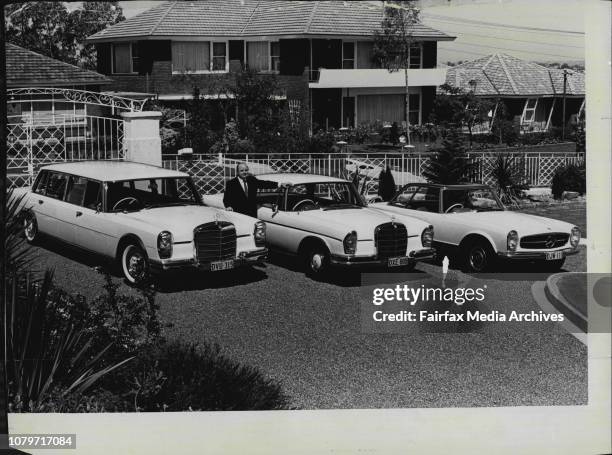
(281, 226)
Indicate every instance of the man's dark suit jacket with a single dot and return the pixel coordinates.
(235, 198)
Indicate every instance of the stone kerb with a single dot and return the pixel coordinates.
(141, 139)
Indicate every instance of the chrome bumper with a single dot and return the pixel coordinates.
(244, 258)
(356, 261)
(533, 255)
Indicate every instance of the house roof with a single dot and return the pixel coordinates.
(25, 68)
(505, 75)
(245, 18)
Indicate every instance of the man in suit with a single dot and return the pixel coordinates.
(241, 191)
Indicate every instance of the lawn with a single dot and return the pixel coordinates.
(570, 211)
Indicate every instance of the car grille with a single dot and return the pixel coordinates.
(391, 240)
(544, 241)
(215, 241)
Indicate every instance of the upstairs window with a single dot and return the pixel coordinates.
(416, 54)
(263, 55)
(198, 56)
(126, 58)
(348, 55)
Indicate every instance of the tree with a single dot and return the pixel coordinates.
(49, 29)
(393, 41)
(386, 184)
(449, 165)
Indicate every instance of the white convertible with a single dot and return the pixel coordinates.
(471, 221)
(145, 217)
(324, 221)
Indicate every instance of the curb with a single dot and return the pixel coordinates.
(554, 296)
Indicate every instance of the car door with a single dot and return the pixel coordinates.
(50, 207)
(279, 222)
(89, 224)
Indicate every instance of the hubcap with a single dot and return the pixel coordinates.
(478, 259)
(135, 265)
(316, 262)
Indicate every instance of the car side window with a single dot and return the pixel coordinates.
(76, 190)
(56, 186)
(268, 197)
(93, 195)
(403, 198)
(41, 183)
(426, 199)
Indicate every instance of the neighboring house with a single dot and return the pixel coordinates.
(321, 52)
(533, 94)
(37, 84)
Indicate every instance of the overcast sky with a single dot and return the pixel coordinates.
(528, 29)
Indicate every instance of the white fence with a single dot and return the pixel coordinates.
(210, 173)
(31, 145)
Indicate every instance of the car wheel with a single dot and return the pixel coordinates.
(30, 227)
(478, 257)
(135, 264)
(316, 261)
(551, 266)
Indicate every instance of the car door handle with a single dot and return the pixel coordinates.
(40, 201)
(79, 213)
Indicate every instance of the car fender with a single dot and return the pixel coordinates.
(486, 235)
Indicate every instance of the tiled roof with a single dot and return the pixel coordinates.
(501, 74)
(234, 18)
(25, 68)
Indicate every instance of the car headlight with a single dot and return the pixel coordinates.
(512, 241)
(350, 243)
(259, 233)
(575, 237)
(164, 244)
(427, 237)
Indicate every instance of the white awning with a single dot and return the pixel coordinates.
(357, 78)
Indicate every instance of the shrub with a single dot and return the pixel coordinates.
(449, 164)
(180, 377)
(508, 175)
(569, 178)
(386, 184)
(321, 142)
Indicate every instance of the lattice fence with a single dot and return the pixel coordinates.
(210, 173)
(30, 146)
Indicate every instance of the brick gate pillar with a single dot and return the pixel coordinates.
(141, 139)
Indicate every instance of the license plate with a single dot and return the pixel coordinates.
(554, 255)
(221, 265)
(396, 262)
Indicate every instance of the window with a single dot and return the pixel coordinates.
(529, 111)
(41, 183)
(275, 56)
(76, 190)
(415, 56)
(56, 186)
(190, 57)
(257, 55)
(93, 195)
(414, 109)
(219, 56)
(348, 55)
(263, 55)
(419, 198)
(126, 58)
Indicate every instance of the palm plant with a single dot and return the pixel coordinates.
(19, 256)
(46, 345)
(509, 177)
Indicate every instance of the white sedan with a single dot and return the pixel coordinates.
(472, 223)
(144, 217)
(324, 221)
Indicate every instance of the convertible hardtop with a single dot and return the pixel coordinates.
(114, 171)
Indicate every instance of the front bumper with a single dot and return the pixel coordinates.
(534, 255)
(244, 258)
(356, 261)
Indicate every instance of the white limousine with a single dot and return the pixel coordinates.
(325, 222)
(472, 224)
(147, 218)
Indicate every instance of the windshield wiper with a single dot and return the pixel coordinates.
(489, 209)
(167, 204)
(344, 205)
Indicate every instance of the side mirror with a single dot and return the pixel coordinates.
(274, 209)
(98, 207)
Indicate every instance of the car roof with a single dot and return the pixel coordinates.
(112, 171)
(296, 179)
(462, 186)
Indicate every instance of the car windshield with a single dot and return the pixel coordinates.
(134, 195)
(323, 196)
(470, 200)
